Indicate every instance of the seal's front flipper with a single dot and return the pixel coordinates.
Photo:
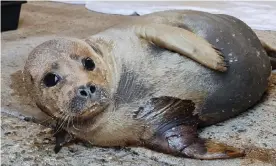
(173, 123)
(183, 42)
(271, 52)
(183, 141)
(62, 138)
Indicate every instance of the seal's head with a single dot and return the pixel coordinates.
(67, 78)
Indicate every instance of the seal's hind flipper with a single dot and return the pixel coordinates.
(271, 52)
(183, 141)
(174, 124)
(183, 42)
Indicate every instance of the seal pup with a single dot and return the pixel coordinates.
(151, 82)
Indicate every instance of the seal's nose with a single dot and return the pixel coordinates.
(86, 91)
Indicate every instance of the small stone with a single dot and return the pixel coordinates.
(103, 160)
(27, 159)
(241, 130)
(7, 133)
(135, 153)
(59, 157)
(28, 119)
(72, 150)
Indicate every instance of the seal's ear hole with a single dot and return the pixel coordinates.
(88, 64)
(51, 79)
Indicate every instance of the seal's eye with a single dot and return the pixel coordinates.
(51, 79)
(88, 64)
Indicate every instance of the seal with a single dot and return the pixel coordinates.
(152, 82)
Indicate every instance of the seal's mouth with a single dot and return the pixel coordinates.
(87, 115)
(93, 110)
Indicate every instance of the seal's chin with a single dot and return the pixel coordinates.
(91, 112)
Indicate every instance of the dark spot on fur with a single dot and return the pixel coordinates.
(184, 27)
(131, 87)
(55, 66)
(74, 56)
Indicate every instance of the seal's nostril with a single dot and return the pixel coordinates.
(92, 89)
(83, 93)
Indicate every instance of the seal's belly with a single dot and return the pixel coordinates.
(228, 93)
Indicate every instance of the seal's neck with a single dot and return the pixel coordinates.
(130, 87)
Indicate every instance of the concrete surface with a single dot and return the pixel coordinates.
(30, 144)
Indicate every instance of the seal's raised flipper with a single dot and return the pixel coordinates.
(271, 52)
(183, 42)
(174, 122)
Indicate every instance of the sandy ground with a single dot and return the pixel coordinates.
(27, 143)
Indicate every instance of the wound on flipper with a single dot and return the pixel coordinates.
(175, 122)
